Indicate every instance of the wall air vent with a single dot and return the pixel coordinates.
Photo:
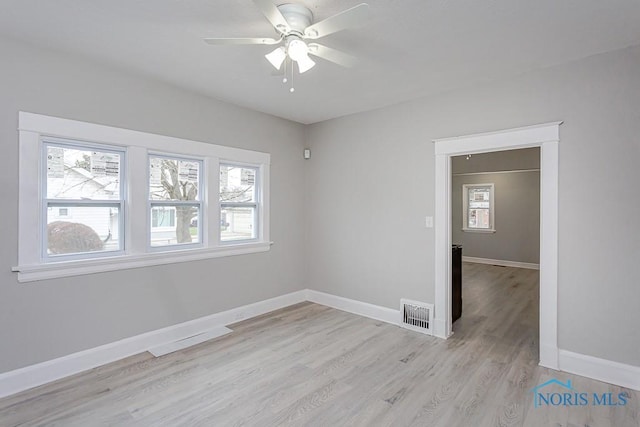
(417, 316)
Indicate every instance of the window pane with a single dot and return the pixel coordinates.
(76, 173)
(478, 218)
(173, 179)
(82, 229)
(237, 184)
(163, 216)
(479, 198)
(237, 223)
(174, 225)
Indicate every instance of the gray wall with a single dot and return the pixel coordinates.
(517, 204)
(47, 319)
(371, 180)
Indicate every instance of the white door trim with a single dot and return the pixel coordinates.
(547, 137)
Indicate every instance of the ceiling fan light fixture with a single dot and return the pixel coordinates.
(294, 24)
(276, 57)
(297, 49)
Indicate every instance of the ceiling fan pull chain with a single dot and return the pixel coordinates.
(284, 78)
(292, 89)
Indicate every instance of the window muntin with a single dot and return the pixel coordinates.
(238, 202)
(83, 207)
(175, 188)
(478, 205)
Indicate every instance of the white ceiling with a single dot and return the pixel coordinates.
(408, 49)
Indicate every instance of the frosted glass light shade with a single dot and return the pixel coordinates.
(276, 58)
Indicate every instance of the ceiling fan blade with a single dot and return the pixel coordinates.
(348, 18)
(271, 12)
(245, 40)
(332, 55)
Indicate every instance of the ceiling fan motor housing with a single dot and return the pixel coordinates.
(298, 17)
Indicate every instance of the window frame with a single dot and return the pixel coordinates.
(465, 208)
(199, 203)
(34, 128)
(47, 203)
(256, 205)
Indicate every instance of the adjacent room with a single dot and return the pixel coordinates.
(320, 213)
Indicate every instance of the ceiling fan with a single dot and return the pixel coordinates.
(296, 33)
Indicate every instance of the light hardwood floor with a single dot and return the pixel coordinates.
(310, 365)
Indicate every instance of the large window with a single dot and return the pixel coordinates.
(84, 199)
(478, 205)
(95, 198)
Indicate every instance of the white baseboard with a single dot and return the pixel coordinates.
(549, 356)
(600, 369)
(502, 263)
(372, 311)
(32, 376)
(41, 373)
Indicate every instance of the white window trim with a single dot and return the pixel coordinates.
(33, 127)
(465, 210)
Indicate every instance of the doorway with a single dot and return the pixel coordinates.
(547, 137)
(495, 228)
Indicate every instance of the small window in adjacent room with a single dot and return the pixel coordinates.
(478, 205)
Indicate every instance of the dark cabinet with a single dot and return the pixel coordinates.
(456, 282)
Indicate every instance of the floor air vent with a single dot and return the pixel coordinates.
(417, 316)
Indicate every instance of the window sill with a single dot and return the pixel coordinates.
(32, 273)
(479, 230)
